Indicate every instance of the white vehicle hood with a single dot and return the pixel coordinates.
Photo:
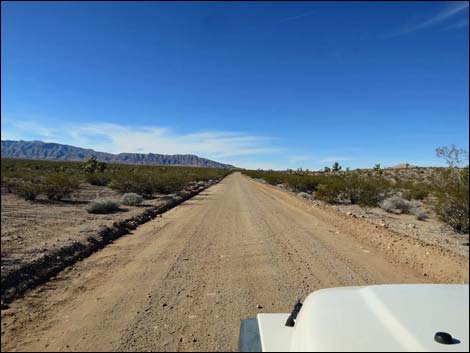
(383, 318)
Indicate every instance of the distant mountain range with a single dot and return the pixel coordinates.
(59, 152)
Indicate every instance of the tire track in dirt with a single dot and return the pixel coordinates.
(183, 282)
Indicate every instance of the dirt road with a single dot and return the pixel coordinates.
(184, 281)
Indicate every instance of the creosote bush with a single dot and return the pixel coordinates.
(148, 184)
(452, 199)
(452, 189)
(27, 190)
(103, 206)
(131, 199)
(344, 187)
(58, 179)
(98, 178)
(57, 186)
(355, 189)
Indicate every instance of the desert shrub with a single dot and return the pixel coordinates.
(57, 186)
(452, 200)
(419, 213)
(131, 199)
(353, 188)
(304, 182)
(99, 179)
(330, 193)
(141, 179)
(147, 184)
(28, 190)
(9, 183)
(417, 191)
(452, 189)
(367, 192)
(413, 190)
(92, 165)
(102, 206)
(273, 179)
(141, 184)
(168, 184)
(396, 203)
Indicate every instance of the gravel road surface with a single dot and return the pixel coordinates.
(185, 280)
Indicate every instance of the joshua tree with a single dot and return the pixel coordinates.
(92, 165)
(336, 167)
(377, 169)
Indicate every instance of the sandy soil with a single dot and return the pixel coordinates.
(183, 282)
(32, 229)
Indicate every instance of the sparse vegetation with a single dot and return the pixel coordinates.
(57, 186)
(445, 189)
(27, 190)
(103, 206)
(131, 199)
(397, 204)
(352, 188)
(417, 191)
(452, 189)
(57, 180)
(92, 165)
(338, 188)
(98, 179)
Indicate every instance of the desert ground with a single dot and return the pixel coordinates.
(184, 281)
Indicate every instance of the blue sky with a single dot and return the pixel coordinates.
(256, 84)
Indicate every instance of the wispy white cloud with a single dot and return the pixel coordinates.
(460, 24)
(291, 18)
(301, 158)
(115, 138)
(335, 159)
(244, 150)
(442, 16)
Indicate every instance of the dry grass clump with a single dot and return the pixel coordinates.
(398, 204)
(103, 206)
(131, 199)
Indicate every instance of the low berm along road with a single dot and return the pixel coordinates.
(185, 280)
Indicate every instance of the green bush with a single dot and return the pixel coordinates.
(141, 184)
(57, 186)
(103, 206)
(417, 191)
(371, 191)
(28, 190)
(329, 192)
(352, 188)
(168, 184)
(452, 198)
(99, 179)
(144, 180)
(304, 183)
(273, 179)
